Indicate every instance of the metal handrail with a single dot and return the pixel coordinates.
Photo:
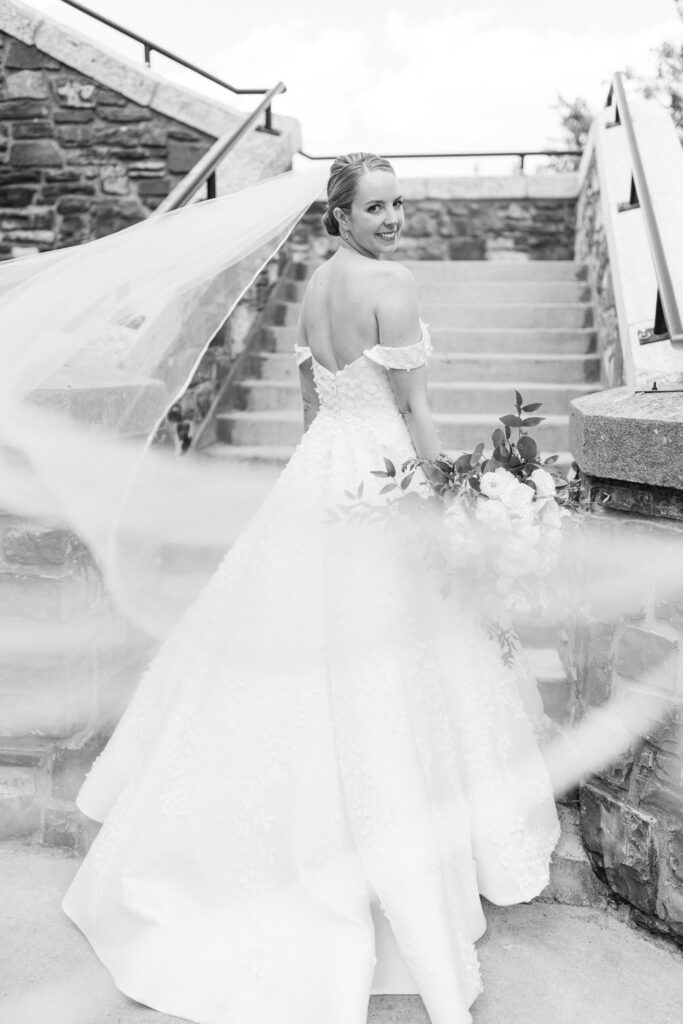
(205, 168)
(667, 311)
(521, 153)
(151, 48)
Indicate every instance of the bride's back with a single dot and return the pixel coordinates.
(338, 317)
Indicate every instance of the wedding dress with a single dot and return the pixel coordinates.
(321, 770)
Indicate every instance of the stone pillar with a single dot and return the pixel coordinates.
(629, 447)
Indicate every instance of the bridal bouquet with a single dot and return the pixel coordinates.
(496, 519)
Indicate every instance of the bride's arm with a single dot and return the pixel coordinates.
(309, 395)
(399, 325)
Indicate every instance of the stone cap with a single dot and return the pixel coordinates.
(134, 81)
(620, 434)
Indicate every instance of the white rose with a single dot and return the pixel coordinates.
(495, 485)
(492, 514)
(551, 514)
(544, 483)
(518, 499)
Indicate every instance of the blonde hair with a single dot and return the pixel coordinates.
(345, 173)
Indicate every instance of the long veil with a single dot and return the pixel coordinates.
(98, 341)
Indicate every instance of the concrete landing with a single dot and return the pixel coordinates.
(541, 963)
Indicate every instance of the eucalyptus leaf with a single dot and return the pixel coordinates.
(391, 468)
(476, 454)
(532, 407)
(511, 421)
(527, 447)
(532, 421)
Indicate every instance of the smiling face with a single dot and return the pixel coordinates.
(374, 221)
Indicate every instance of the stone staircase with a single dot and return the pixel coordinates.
(496, 326)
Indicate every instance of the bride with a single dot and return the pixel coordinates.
(321, 770)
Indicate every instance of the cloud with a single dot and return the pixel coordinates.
(459, 81)
(403, 79)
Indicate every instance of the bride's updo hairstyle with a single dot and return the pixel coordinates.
(345, 173)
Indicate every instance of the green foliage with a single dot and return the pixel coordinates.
(667, 83)
(575, 121)
(463, 474)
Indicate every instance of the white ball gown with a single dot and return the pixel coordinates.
(320, 771)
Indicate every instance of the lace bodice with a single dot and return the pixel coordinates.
(361, 389)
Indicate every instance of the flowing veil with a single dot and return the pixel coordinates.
(98, 341)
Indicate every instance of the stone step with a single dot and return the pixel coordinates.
(553, 684)
(496, 270)
(284, 427)
(436, 271)
(444, 396)
(466, 366)
(474, 314)
(259, 454)
(572, 879)
(501, 340)
(279, 455)
(534, 632)
(431, 292)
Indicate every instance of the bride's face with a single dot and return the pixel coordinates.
(375, 219)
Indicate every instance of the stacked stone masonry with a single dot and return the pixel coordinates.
(486, 227)
(78, 161)
(592, 250)
(56, 697)
(632, 811)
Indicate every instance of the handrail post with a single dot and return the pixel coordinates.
(148, 55)
(205, 168)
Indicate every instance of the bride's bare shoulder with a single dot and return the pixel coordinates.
(395, 283)
(393, 278)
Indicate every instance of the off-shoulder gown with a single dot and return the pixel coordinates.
(320, 771)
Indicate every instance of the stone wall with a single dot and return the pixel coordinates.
(78, 160)
(632, 811)
(591, 249)
(509, 218)
(73, 668)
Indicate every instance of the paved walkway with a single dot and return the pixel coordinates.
(542, 963)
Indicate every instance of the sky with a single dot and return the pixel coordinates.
(431, 75)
